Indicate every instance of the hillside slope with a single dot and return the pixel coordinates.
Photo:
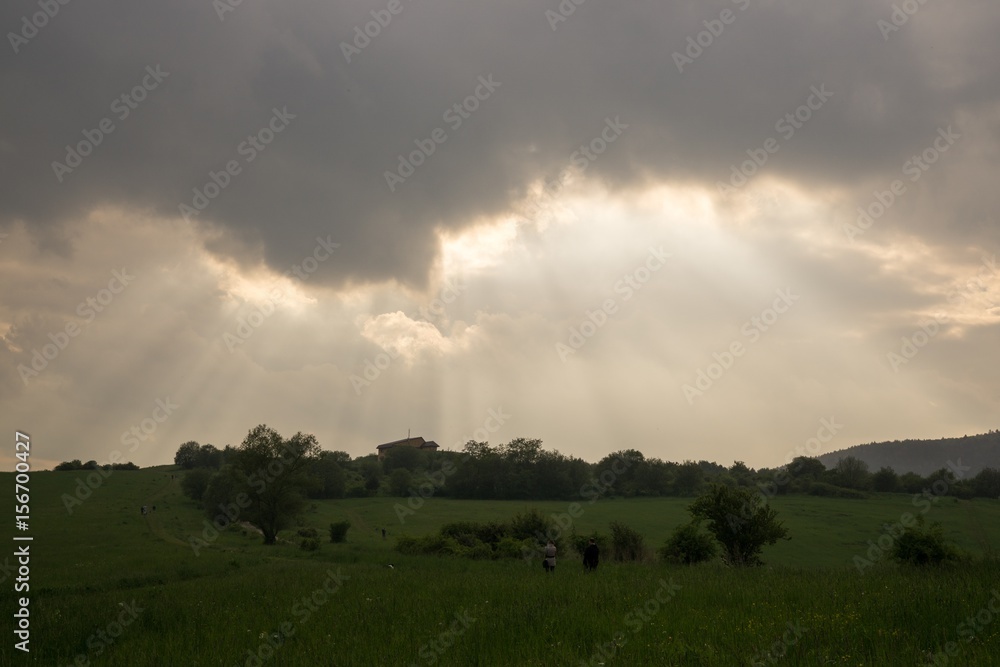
(925, 456)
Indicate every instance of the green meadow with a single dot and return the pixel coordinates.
(109, 586)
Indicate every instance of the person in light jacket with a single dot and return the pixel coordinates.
(550, 557)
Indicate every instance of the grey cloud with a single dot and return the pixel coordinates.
(325, 170)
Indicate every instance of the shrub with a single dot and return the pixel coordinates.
(309, 544)
(400, 480)
(480, 550)
(923, 545)
(580, 542)
(195, 482)
(831, 491)
(741, 521)
(307, 532)
(338, 531)
(626, 543)
(688, 545)
(437, 545)
(508, 547)
(533, 525)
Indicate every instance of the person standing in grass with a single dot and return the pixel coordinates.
(590, 556)
(550, 557)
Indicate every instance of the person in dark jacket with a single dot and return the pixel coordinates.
(590, 556)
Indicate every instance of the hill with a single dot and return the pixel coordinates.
(925, 456)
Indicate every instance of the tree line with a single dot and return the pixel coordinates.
(267, 479)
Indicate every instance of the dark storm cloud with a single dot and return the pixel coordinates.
(211, 79)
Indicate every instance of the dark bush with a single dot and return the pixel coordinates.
(195, 482)
(338, 531)
(626, 543)
(307, 532)
(309, 544)
(831, 491)
(923, 545)
(688, 545)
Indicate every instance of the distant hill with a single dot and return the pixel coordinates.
(925, 456)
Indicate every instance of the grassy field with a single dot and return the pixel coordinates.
(111, 587)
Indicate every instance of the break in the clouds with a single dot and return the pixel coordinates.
(360, 218)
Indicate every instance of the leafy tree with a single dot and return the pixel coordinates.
(741, 521)
(852, 473)
(626, 543)
(741, 474)
(400, 481)
(329, 476)
(187, 455)
(885, 480)
(688, 545)
(371, 472)
(195, 483)
(987, 483)
(408, 458)
(911, 482)
(806, 467)
(75, 464)
(273, 473)
(923, 544)
(521, 451)
(209, 456)
(221, 494)
(689, 480)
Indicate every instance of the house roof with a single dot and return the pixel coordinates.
(415, 441)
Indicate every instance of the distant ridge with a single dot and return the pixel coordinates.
(925, 456)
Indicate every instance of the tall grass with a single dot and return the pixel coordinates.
(224, 605)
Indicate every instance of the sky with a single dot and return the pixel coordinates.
(735, 230)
